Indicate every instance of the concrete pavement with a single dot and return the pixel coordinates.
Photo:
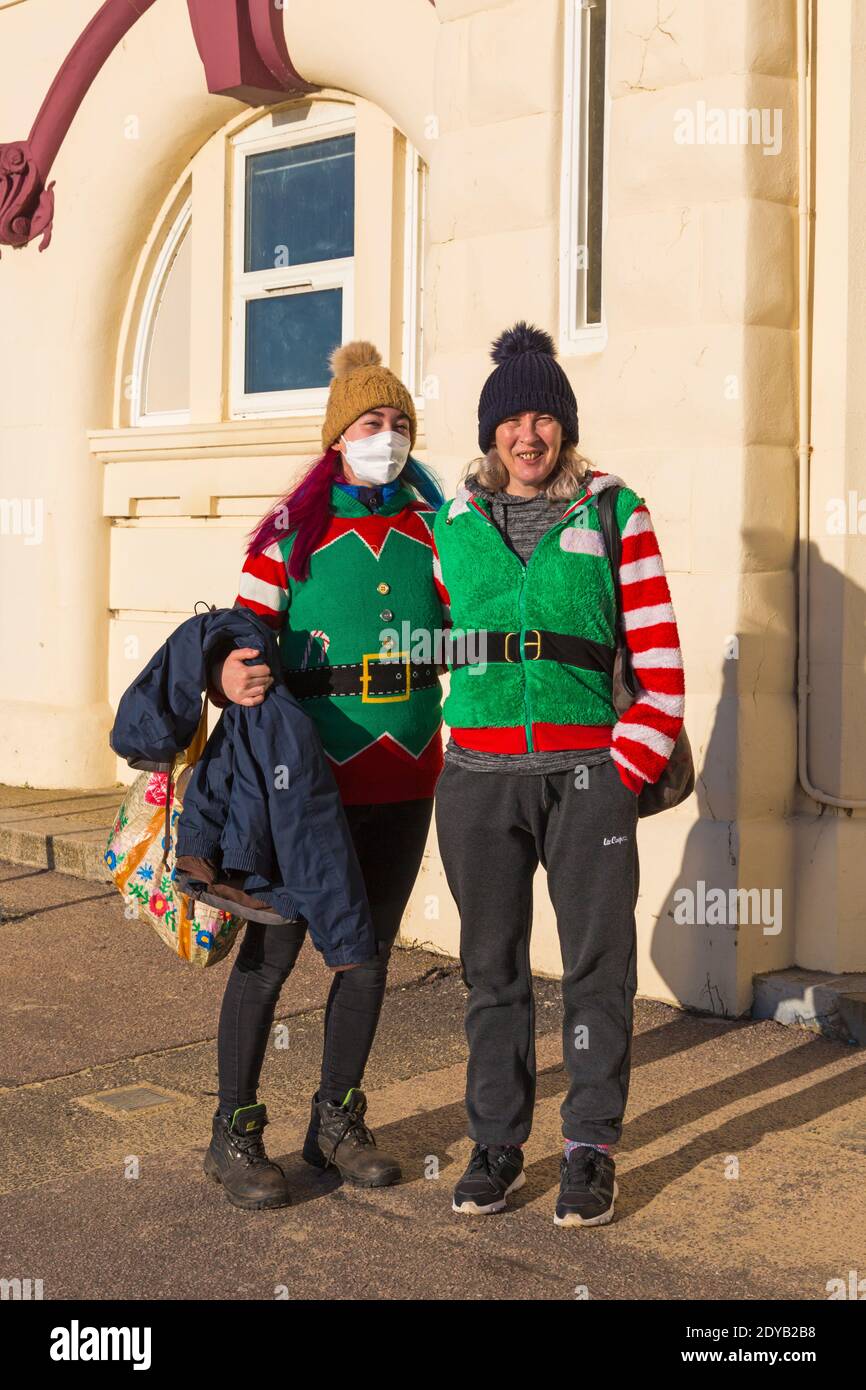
(741, 1168)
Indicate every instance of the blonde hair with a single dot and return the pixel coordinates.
(565, 482)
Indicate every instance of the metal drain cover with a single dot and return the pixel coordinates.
(128, 1098)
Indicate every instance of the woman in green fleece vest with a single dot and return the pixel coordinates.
(343, 561)
(540, 769)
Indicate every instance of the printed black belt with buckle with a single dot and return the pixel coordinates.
(482, 646)
(380, 678)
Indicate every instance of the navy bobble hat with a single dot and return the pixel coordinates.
(527, 376)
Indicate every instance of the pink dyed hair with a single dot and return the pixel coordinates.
(305, 508)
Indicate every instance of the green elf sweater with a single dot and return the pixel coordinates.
(370, 573)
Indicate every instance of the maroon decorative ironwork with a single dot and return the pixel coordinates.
(241, 43)
(26, 205)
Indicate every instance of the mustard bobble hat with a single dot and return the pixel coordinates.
(360, 383)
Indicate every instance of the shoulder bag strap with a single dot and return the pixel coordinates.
(613, 545)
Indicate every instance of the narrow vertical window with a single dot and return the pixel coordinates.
(583, 172)
(413, 272)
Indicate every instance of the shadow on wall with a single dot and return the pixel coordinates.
(685, 951)
(758, 855)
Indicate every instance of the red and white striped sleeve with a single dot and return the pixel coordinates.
(643, 738)
(439, 585)
(264, 586)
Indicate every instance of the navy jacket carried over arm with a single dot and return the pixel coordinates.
(261, 799)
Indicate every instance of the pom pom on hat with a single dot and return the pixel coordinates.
(348, 356)
(523, 337)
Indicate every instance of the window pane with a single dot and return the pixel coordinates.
(300, 204)
(166, 382)
(289, 340)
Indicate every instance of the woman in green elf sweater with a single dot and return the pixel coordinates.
(539, 769)
(339, 566)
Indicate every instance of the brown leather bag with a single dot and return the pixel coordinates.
(677, 781)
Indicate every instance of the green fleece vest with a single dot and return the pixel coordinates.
(566, 586)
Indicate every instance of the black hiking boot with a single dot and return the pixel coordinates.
(494, 1171)
(587, 1188)
(237, 1159)
(338, 1137)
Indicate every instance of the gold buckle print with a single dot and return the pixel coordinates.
(367, 699)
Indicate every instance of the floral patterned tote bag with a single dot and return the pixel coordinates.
(140, 856)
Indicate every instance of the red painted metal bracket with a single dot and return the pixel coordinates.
(242, 45)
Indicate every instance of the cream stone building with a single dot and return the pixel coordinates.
(673, 189)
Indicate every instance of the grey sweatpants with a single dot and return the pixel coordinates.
(493, 830)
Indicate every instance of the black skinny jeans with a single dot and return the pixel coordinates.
(389, 838)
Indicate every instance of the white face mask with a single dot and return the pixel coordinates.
(379, 458)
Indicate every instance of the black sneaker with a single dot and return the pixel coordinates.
(587, 1188)
(493, 1173)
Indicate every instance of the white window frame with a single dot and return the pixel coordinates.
(317, 124)
(181, 227)
(415, 220)
(576, 336)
